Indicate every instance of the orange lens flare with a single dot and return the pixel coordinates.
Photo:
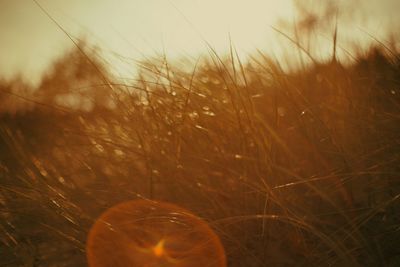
(154, 234)
(158, 250)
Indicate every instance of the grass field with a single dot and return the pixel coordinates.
(289, 168)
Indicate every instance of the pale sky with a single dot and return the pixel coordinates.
(30, 41)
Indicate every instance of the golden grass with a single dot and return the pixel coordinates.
(289, 168)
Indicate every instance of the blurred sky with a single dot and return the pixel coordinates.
(30, 41)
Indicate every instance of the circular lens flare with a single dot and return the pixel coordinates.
(143, 233)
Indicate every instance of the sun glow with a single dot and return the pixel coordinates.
(188, 28)
(133, 29)
(247, 22)
(185, 25)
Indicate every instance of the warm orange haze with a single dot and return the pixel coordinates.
(137, 29)
(199, 133)
(131, 29)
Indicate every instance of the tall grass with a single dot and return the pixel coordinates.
(290, 168)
